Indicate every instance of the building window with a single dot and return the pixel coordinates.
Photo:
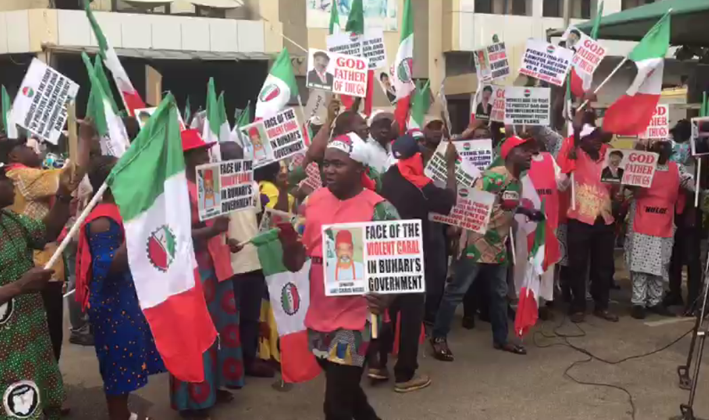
(519, 7)
(483, 6)
(552, 8)
(585, 9)
(629, 4)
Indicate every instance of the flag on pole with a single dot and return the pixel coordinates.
(213, 121)
(528, 306)
(150, 189)
(278, 88)
(131, 97)
(581, 82)
(334, 19)
(224, 128)
(109, 126)
(403, 67)
(420, 105)
(244, 118)
(101, 77)
(7, 122)
(632, 112)
(290, 297)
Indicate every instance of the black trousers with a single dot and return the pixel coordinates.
(54, 307)
(344, 397)
(409, 308)
(249, 289)
(590, 244)
(436, 268)
(686, 250)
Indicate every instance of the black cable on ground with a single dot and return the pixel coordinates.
(591, 356)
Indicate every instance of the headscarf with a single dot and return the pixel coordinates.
(356, 149)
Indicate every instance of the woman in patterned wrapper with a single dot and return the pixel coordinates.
(125, 347)
(223, 363)
(339, 330)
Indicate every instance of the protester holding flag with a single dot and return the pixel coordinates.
(29, 360)
(414, 195)
(650, 236)
(485, 256)
(339, 328)
(125, 347)
(223, 361)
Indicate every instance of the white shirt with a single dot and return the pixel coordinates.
(379, 158)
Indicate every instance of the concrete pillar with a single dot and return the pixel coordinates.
(153, 86)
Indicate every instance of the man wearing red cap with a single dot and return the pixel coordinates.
(484, 256)
(345, 268)
(259, 150)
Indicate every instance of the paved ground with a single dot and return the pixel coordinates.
(481, 384)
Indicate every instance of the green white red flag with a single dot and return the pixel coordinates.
(150, 189)
(632, 112)
(580, 82)
(403, 68)
(290, 297)
(419, 108)
(334, 19)
(278, 88)
(131, 97)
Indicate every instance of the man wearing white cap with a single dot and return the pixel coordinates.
(382, 131)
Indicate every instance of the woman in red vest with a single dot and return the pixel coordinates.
(648, 247)
(339, 330)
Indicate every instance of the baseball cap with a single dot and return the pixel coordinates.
(405, 147)
(510, 144)
(192, 140)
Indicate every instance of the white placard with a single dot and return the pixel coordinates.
(478, 152)
(337, 73)
(370, 46)
(40, 104)
(490, 104)
(588, 53)
(491, 62)
(700, 136)
(273, 139)
(225, 187)
(465, 172)
(547, 62)
(471, 212)
(629, 167)
(527, 106)
(377, 257)
(659, 127)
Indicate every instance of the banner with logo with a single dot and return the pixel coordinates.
(370, 46)
(373, 257)
(588, 53)
(491, 62)
(629, 167)
(478, 152)
(337, 73)
(273, 139)
(547, 62)
(527, 106)
(40, 105)
(225, 187)
(659, 127)
(466, 173)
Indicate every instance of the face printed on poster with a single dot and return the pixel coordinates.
(225, 187)
(337, 73)
(273, 139)
(629, 167)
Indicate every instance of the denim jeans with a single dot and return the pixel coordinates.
(466, 272)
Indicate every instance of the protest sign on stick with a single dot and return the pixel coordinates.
(370, 46)
(465, 172)
(471, 212)
(700, 136)
(527, 106)
(547, 62)
(588, 53)
(378, 257)
(659, 127)
(478, 152)
(40, 105)
(491, 62)
(273, 139)
(629, 167)
(337, 73)
(225, 187)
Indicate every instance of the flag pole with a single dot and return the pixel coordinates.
(603, 83)
(699, 182)
(77, 225)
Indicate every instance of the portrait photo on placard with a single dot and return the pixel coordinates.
(258, 140)
(344, 256)
(700, 136)
(386, 82)
(613, 167)
(320, 70)
(209, 181)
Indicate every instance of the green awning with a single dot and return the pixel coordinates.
(689, 20)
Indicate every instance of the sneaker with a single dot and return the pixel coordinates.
(86, 340)
(416, 383)
(376, 374)
(662, 310)
(638, 312)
